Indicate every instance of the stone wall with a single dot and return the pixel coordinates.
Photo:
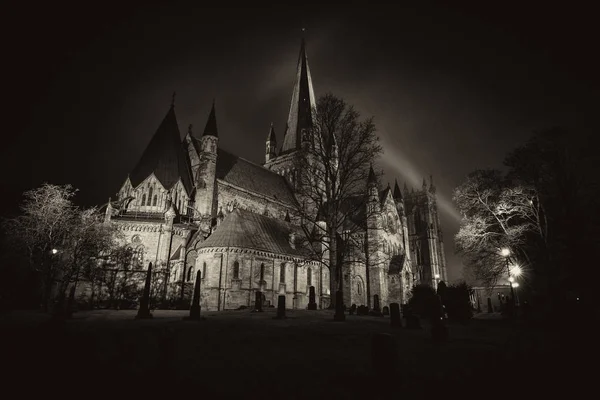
(239, 290)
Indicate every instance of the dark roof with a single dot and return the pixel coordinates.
(397, 191)
(211, 125)
(301, 107)
(249, 230)
(164, 156)
(383, 194)
(253, 177)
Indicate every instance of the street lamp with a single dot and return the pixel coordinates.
(505, 253)
(54, 251)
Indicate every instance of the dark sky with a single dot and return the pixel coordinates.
(451, 89)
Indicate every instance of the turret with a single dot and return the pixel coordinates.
(372, 193)
(206, 177)
(431, 187)
(271, 144)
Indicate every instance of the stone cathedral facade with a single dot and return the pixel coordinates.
(189, 205)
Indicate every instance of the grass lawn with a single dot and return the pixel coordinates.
(307, 355)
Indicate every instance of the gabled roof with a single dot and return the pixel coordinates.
(246, 229)
(301, 107)
(164, 156)
(397, 191)
(254, 178)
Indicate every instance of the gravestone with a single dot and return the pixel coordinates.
(353, 309)
(490, 308)
(144, 311)
(71, 302)
(376, 311)
(195, 308)
(258, 300)
(280, 307)
(384, 354)
(339, 307)
(312, 305)
(385, 311)
(395, 320)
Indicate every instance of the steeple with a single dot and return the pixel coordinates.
(211, 125)
(372, 178)
(164, 157)
(271, 145)
(397, 192)
(300, 118)
(424, 184)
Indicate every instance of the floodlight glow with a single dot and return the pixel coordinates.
(511, 279)
(54, 251)
(516, 270)
(505, 252)
(515, 284)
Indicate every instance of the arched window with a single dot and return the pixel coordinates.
(236, 270)
(309, 277)
(154, 200)
(262, 272)
(189, 274)
(282, 273)
(149, 196)
(203, 270)
(143, 200)
(358, 288)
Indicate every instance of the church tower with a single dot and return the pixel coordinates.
(205, 180)
(299, 123)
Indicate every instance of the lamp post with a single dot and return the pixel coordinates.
(437, 280)
(505, 253)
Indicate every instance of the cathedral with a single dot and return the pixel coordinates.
(189, 205)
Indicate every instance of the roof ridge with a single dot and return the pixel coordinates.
(251, 162)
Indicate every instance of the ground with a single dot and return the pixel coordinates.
(239, 353)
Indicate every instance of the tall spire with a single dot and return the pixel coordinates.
(372, 178)
(397, 192)
(272, 138)
(301, 115)
(211, 125)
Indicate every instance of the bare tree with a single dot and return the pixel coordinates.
(332, 170)
(496, 214)
(60, 240)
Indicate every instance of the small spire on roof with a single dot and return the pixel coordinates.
(211, 125)
(372, 178)
(397, 192)
(287, 217)
(190, 129)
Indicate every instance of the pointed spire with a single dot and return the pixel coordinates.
(397, 192)
(372, 178)
(272, 138)
(301, 116)
(190, 129)
(287, 217)
(431, 186)
(424, 183)
(211, 125)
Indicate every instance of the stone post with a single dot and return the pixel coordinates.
(489, 302)
(195, 308)
(395, 320)
(312, 305)
(144, 311)
(280, 307)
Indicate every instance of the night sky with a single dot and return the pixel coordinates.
(451, 89)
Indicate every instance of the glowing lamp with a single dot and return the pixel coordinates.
(505, 252)
(54, 251)
(515, 284)
(516, 270)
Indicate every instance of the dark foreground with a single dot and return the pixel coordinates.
(308, 355)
